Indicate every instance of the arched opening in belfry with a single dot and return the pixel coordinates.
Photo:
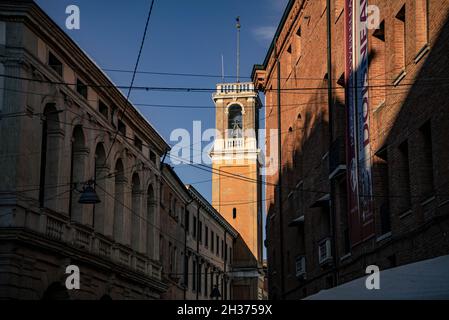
(235, 123)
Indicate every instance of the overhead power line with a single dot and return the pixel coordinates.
(133, 77)
(417, 82)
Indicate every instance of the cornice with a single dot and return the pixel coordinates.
(40, 23)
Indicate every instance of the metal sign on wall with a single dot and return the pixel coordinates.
(358, 140)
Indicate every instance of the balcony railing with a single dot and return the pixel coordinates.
(235, 144)
(233, 88)
(60, 229)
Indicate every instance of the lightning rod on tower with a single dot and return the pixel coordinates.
(238, 47)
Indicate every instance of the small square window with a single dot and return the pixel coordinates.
(103, 109)
(153, 156)
(81, 88)
(55, 63)
(138, 143)
(121, 127)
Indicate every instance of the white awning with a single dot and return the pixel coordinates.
(427, 279)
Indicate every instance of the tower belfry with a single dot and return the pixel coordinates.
(236, 191)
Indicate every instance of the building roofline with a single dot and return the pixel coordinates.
(33, 14)
(276, 35)
(172, 172)
(214, 213)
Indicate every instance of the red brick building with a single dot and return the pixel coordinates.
(320, 232)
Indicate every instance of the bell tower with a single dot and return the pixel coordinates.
(236, 192)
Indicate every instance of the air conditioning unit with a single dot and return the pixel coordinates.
(324, 251)
(300, 266)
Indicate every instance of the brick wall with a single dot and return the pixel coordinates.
(409, 183)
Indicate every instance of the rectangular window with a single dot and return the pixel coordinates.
(226, 252)
(161, 247)
(404, 178)
(399, 41)
(55, 64)
(113, 112)
(187, 221)
(206, 236)
(153, 157)
(121, 127)
(230, 254)
(222, 249)
(81, 88)
(138, 143)
(194, 227)
(211, 241)
(103, 109)
(218, 245)
(427, 179)
(384, 187)
(200, 231)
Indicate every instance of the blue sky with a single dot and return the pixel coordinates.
(183, 37)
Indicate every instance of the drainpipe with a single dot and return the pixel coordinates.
(281, 226)
(330, 109)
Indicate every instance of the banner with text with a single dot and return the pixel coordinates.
(358, 151)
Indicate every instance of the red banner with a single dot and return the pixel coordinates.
(358, 139)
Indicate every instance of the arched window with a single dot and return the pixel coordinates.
(77, 178)
(101, 171)
(151, 208)
(49, 157)
(135, 214)
(119, 187)
(235, 123)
